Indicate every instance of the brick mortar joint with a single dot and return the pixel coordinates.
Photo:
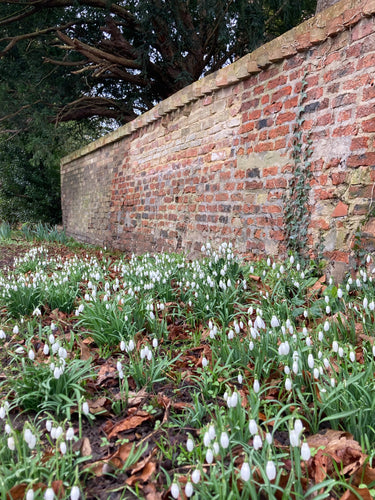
(227, 76)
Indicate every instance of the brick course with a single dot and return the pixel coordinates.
(211, 162)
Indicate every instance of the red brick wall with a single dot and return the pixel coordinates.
(212, 162)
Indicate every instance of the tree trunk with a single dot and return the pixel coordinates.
(324, 4)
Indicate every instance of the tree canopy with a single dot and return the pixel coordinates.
(115, 60)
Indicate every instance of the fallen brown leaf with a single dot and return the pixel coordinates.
(363, 492)
(85, 448)
(128, 423)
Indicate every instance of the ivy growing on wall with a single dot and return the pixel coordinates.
(296, 199)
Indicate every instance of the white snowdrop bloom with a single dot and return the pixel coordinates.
(320, 335)
(282, 269)
(230, 334)
(274, 322)
(74, 493)
(328, 310)
(81, 307)
(51, 338)
(204, 362)
(326, 326)
(308, 341)
(259, 323)
(30, 495)
(209, 456)
(270, 470)
(206, 439)
(335, 346)
(365, 303)
(122, 345)
(326, 298)
(46, 349)
(352, 356)
(85, 408)
(305, 451)
(196, 476)
(19, 350)
(269, 438)
(69, 434)
(310, 361)
(368, 259)
(348, 287)
(212, 432)
(63, 447)
(131, 345)
(155, 343)
(333, 382)
(119, 366)
(49, 425)
(245, 472)
(256, 386)
(294, 438)
(326, 363)
(373, 350)
(224, 440)
(7, 429)
(189, 445)
(149, 355)
(11, 443)
(340, 352)
(49, 494)
(189, 490)
(288, 384)
(16, 330)
(2, 334)
(58, 432)
(251, 345)
(62, 352)
(253, 428)
(2, 412)
(240, 378)
(233, 400)
(316, 373)
(371, 305)
(358, 283)
(291, 259)
(257, 442)
(339, 293)
(57, 372)
(37, 312)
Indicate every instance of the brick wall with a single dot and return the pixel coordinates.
(212, 162)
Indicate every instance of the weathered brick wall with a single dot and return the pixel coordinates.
(213, 161)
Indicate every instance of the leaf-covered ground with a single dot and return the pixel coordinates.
(160, 377)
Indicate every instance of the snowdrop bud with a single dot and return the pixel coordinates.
(333, 382)
(154, 343)
(328, 310)
(257, 442)
(341, 352)
(2, 334)
(224, 440)
(310, 361)
(271, 470)
(305, 313)
(16, 330)
(63, 447)
(326, 326)
(240, 378)
(288, 384)
(269, 438)
(69, 434)
(85, 408)
(46, 349)
(245, 471)
(320, 336)
(372, 305)
(253, 428)
(11, 443)
(30, 495)
(122, 345)
(58, 432)
(48, 425)
(189, 490)
(2, 412)
(316, 373)
(211, 432)
(365, 303)
(209, 456)
(305, 451)
(204, 362)
(256, 386)
(189, 445)
(335, 346)
(196, 476)
(339, 293)
(175, 490)
(7, 429)
(308, 341)
(74, 493)
(206, 439)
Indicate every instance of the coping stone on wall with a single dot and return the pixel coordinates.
(327, 23)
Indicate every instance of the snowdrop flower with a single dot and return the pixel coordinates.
(328, 310)
(211, 432)
(189, 445)
(230, 335)
(316, 373)
(30, 495)
(224, 440)
(16, 330)
(371, 305)
(209, 456)
(37, 312)
(2, 335)
(339, 293)
(196, 476)
(333, 382)
(189, 490)
(74, 493)
(269, 438)
(291, 259)
(49, 494)
(11, 443)
(204, 362)
(271, 470)
(57, 372)
(48, 425)
(240, 378)
(256, 386)
(335, 346)
(259, 323)
(253, 428)
(131, 345)
(46, 349)
(288, 384)
(257, 442)
(63, 447)
(206, 439)
(305, 451)
(85, 408)
(19, 350)
(155, 343)
(310, 361)
(245, 471)
(122, 345)
(69, 434)
(294, 438)
(2, 412)
(274, 322)
(365, 303)
(320, 335)
(341, 352)
(326, 326)
(7, 429)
